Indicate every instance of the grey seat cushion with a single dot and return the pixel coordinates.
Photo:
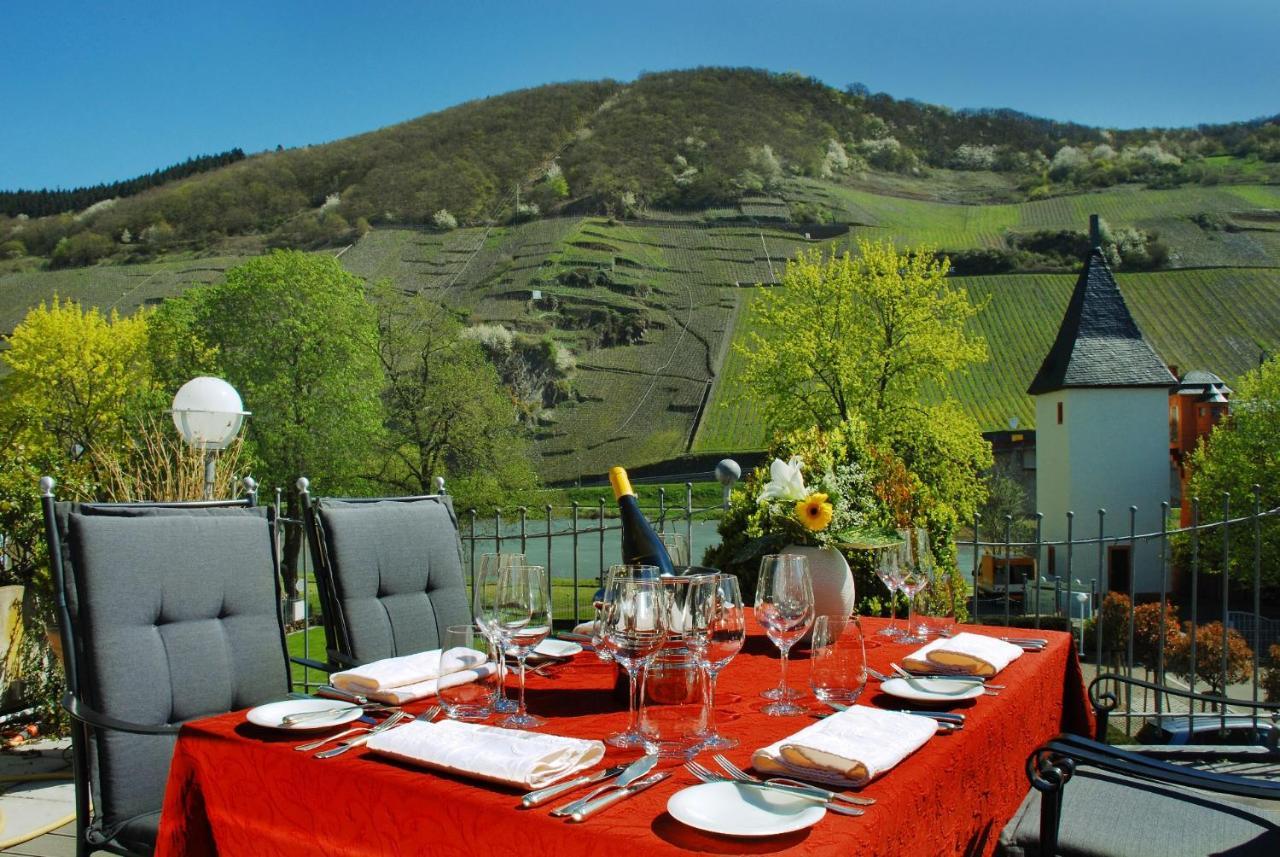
(1105, 815)
(177, 616)
(397, 573)
(138, 834)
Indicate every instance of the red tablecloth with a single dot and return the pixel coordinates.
(235, 789)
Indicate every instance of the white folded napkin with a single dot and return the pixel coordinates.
(410, 677)
(852, 747)
(963, 654)
(528, 760)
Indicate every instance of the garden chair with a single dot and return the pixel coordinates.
(1153, 800)
(389, 574)
(168, 612)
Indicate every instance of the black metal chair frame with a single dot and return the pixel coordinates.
(84, 718)
(1050, 767)
(338, 648)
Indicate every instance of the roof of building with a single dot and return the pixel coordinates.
(1099, 344)
(1198, 382)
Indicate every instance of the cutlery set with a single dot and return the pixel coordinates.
(629, 781)
(360, 735)
(842, 803)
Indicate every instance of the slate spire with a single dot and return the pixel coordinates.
(1099, 344)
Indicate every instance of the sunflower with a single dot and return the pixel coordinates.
(814, 512)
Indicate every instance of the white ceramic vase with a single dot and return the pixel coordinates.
(833, 593)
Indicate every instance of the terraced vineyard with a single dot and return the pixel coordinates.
(1219, 319)
(683, 278)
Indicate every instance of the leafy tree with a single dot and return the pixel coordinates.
(1239, 453)
(296, 336)
(78, 378)
(1271, 674)
(447, 411)
(83, 248)
(846, 335)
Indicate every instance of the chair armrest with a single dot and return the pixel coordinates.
(311, 663)
(1060, 756)
(1104, 701)
(93, 717)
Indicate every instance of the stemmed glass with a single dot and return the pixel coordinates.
(889, 570)
(522, 616)
(918, 571)
(486, 584)
(784, 606)
(719, 627)
(633, 625)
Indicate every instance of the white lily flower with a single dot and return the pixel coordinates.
(785, 481)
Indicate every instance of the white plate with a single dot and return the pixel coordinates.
(271, 714)
(933, 690)
(740, 809)
(551, 648)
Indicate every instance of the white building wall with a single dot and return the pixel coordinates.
(1111, 452)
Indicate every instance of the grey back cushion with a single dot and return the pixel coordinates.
(397, 569)
(177, 616)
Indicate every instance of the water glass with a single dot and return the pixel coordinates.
(838, 660)
(470, 701)
(673, 704)
(677, 545)
(522, 615)
(485, 584)
(784, 607)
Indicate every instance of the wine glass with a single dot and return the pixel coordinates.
(634, 629)
(486, 583)
(677, 546)
(719, 627)
(889, 570)
(916, 577)
(837, 660)
(784, 606)
(522, 615)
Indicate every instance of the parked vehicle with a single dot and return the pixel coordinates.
(1208, 729)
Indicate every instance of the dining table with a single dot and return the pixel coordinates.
(239, 789)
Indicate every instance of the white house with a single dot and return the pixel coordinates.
(1102, 434)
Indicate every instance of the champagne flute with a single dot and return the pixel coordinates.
(838, 660)
(719, 629)
(486, 584)
(915, 579)
(523, 617)
(784, 606)
(634, 630)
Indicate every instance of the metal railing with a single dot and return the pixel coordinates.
(1256, 631)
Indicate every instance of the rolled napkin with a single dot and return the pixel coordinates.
(527, 760)
(963, 654)
(586, 629)
(410, 677)
(852, 747)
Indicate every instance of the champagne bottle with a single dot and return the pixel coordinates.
(640, 544)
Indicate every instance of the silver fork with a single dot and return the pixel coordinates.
(316, 745)
(394, 720)
(709, 776)
(738, 774)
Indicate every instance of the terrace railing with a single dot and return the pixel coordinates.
(1073, 599)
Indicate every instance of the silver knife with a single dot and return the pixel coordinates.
(543, 795)
(634, 771)
(621, 794)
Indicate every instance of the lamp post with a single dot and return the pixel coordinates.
(208, 412)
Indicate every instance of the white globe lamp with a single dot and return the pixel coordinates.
(208, 413)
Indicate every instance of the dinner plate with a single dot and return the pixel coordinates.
(741, 809)
(552, 648)
(272, 714)
(934, 690)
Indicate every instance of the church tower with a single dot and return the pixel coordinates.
(1102, 433)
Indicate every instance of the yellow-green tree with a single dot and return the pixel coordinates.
(861, 334)
(78, 379)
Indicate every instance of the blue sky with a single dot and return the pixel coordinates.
(97, 92)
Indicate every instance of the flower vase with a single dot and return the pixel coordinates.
(833, 593)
